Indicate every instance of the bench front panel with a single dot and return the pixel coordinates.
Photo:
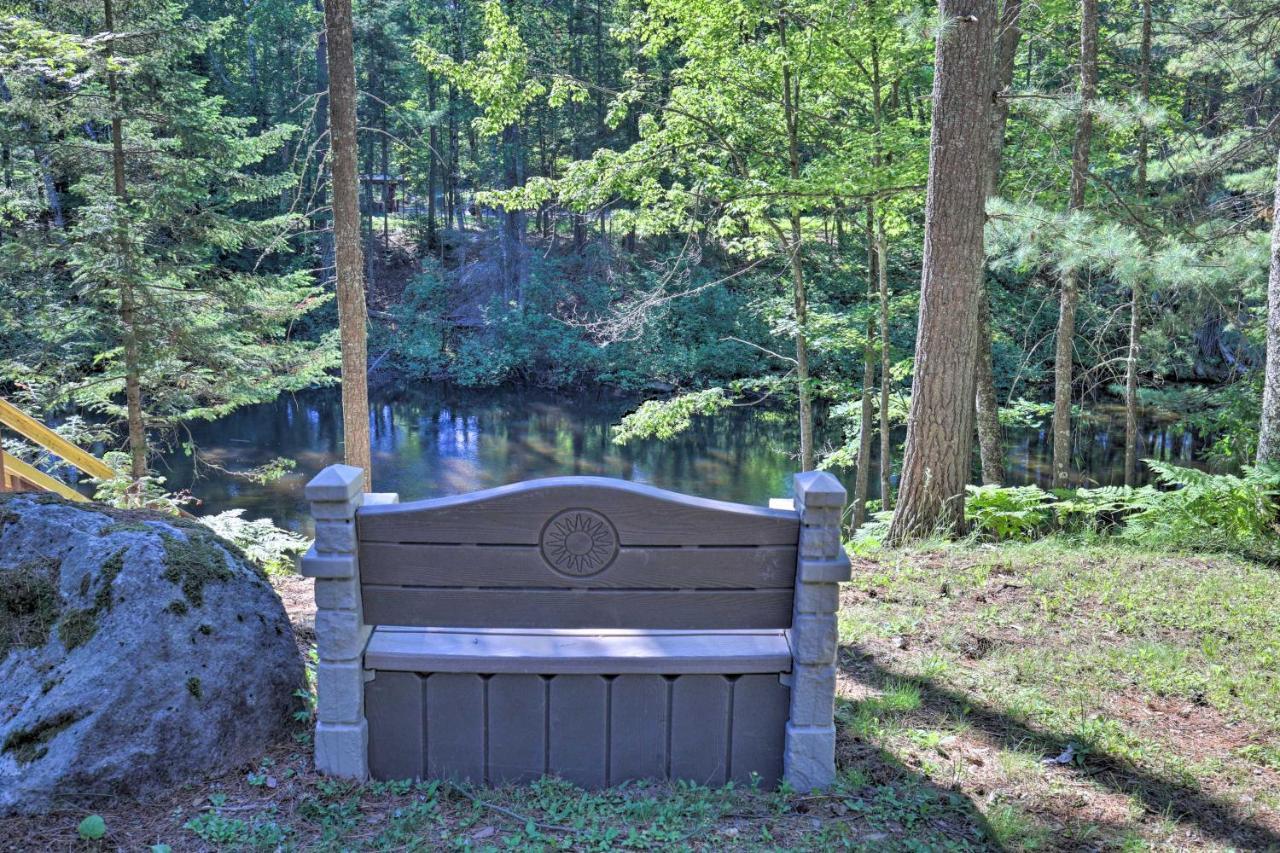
(577, 552)
(594, 730)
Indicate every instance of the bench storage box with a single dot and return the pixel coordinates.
(584, 627)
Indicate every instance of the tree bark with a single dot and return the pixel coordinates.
(324, 223)
(791, 116)
(1064, 345)
(1269, 434)
(876, 239)
(861, 488)
(935, 467)
(433, 160)
(986, 404)
(1135, 294)
(346, 229)
(990, 435)
(886, 454)
(128, 319)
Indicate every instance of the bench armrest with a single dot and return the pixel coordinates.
(342, 733)
(809, 756)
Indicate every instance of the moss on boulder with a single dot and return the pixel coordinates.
(109, 627)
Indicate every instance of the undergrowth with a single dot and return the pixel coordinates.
(1187, 510)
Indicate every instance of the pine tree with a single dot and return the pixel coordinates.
(166, 276)
(935, 468)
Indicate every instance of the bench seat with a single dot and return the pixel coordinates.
(563, 651)
(592, 629)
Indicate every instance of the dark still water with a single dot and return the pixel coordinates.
(437, 440)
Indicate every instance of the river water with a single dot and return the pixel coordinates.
(438, 440)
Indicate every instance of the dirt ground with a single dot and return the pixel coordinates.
(1014, 698)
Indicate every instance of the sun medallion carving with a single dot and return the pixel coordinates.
(579, 543)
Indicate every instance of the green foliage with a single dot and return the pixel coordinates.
(1230, 414)
(272, 548)
(1191, 510)
(1211, 511)
(174, 275)
(92, 828)
(1025, 413)
(552, 338)
(148, 492)
(1007, 512)
(664, 419)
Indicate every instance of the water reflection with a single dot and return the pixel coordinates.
(437, 441)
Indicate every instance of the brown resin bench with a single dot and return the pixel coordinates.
(590, 628)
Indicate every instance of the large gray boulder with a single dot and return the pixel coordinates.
(136, 652)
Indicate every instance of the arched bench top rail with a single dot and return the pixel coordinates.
(519, 514)
(598, 629)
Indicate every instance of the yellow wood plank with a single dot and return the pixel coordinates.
(17, 468)
(32, 430)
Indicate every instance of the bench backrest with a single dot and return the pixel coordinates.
(577, 552)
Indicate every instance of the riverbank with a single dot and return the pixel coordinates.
(1037, 696)
(432, 440)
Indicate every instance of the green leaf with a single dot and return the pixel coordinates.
(92, 828)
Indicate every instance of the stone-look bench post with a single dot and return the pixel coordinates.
(809, 756)
(342, 734)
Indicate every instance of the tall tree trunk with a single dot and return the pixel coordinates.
(791, 116)
(861, 487)
(935, 467)
(433, 160)
(1269, 435)
(986, 404)
(882, 279)
(386, 187)
(128, 307)
(1064, 347)
(346, 230)
(513, 220)
(324, 222)
(1135, 292)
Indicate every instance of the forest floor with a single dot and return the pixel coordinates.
(1016, 697)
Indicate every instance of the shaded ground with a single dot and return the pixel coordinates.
(1154, 679)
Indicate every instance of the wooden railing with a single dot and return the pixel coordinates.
(17, 476)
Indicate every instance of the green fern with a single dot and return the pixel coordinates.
(1008, 512)
(1196, 509)
(1101, 509)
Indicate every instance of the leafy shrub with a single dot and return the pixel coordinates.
(665, 419)
(1025, 413)
(871, 536)
(146, 493)
(269, 546)
(1008, 512)
(1191, 509)
(1097, 510)
(1210, 511)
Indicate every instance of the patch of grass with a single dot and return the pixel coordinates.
(194, 687)
(29, 604)
(193, 562)
(1146, 669)
(1013, 829)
